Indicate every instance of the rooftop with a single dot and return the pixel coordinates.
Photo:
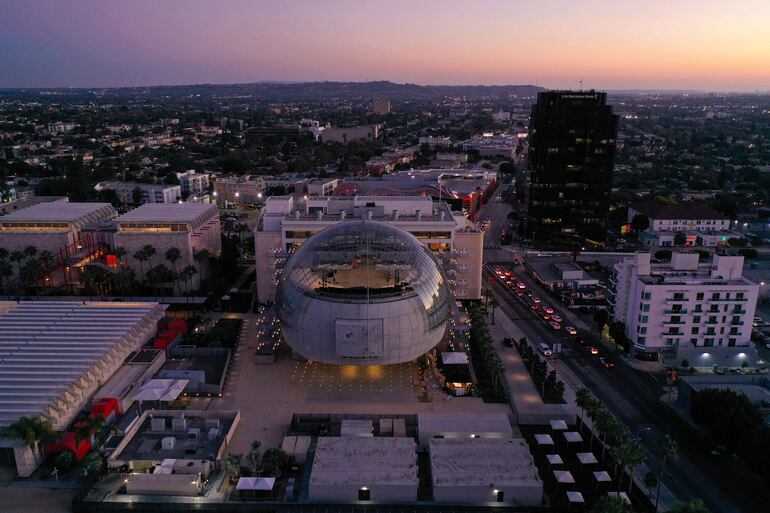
(193, 213)
(685, 210)
(47, 347)
(79, 214)
(365, 461)
(481, 461)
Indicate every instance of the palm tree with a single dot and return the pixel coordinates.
(149, 250)
(159, 276)
(92, 464)
(3, 254)
(693, 506)
(46, 260)
(187, 273)
(628, 456)
(123, 279)
(92, 279)
(30, 251)
(30, 273)
(233, 464)
(203, 257)
(173, 255)
(32, 430)
(493, 303)
(274, 460)
(668, 449)
(6, 271)
(141, 257)
(119, 253)
(17, 256)
(585, 401)
(254, 456)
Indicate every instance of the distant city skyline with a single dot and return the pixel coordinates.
(687, 44)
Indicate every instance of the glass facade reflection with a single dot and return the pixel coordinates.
(362, 291)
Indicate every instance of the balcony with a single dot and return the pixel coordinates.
(672, 334)
(674, 312)
(676, 300)
(737, 323)
(738, 312)
(674, 322)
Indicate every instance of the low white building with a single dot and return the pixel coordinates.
(56, 355)
(148, 192)
(474, 470)
(688, 216)
(432, 425)
(381, 469)
(193, 183)
(239, 189)
(685, 310)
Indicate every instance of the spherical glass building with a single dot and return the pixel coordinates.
(362, 292)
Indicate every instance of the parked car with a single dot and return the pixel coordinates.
(571, 330)
(545, 349)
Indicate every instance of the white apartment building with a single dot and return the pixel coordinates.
(286, 223)
(684, 310)
(150, 192)
(435, 140)
(689, 216)
(193, 183)
(189, 227)
(322, 186)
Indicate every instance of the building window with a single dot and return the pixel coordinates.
(643, 330)
(694, 341)
(699, 296)
(641, 340)
(715, 296)
(364, 494)
(647, 295)
(643, 319)
(709, 342)
(695, 330)
(678, 296)
(696, 318)
(739, 296)
(731, 342)
(646, 307)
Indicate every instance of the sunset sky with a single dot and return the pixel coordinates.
(620, 44)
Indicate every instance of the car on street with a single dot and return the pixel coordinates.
(519, 293)
(555, 325)
(593, 350)
(534, 306)
(607, 364)
(571, 330)
(546, 316)
(545, 349)
(508, 341)
(528, 293)
(535, 299)
(555, 317)
(522, 286)
(548, 309)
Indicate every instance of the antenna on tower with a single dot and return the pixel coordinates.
(581, 83)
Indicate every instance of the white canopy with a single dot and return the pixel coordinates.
(255, 483)
(558, 425)
(161, 390)
(575, 497)
(564, 476)
(602, 476)
(455, 358)
(586, 458)
(572, 436)
(554, 459)
(543, 439)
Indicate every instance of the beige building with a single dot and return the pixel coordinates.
(54, 226)
(190, 227)
(286, 223)
(381, 107)
(239, 189)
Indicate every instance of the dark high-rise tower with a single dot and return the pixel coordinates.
(571, 157)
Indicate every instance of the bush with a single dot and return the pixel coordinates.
(663, 254)
(64, 461)
(748, 252)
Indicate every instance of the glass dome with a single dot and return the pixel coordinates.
(362, 290)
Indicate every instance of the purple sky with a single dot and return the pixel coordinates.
(693, 44)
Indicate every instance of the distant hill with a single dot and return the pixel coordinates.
(288, 91)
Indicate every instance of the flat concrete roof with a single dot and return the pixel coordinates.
(481, 462)
(194, 213)
(364, 461)
(61, 212)
(755, 393)
(463, 422)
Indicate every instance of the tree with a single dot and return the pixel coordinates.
(274, 460)
(668, 449)
(601, 316)
(119, 253)
(92, 280)
(493, 303)
(680, 239)
(159, 276)
(663, 254)
(30, 273)
(233, 464)
(17, 256)
(123, 280)
(586, 401)
(640, 222)
(173, 255)
(607, 504)
(141, 257)
(136, 196)
(93, 464)
(150, 251)
(64, 461)
(629, 455)
(32, 430)
(6, 271)
(693, 506)
(255, 457)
